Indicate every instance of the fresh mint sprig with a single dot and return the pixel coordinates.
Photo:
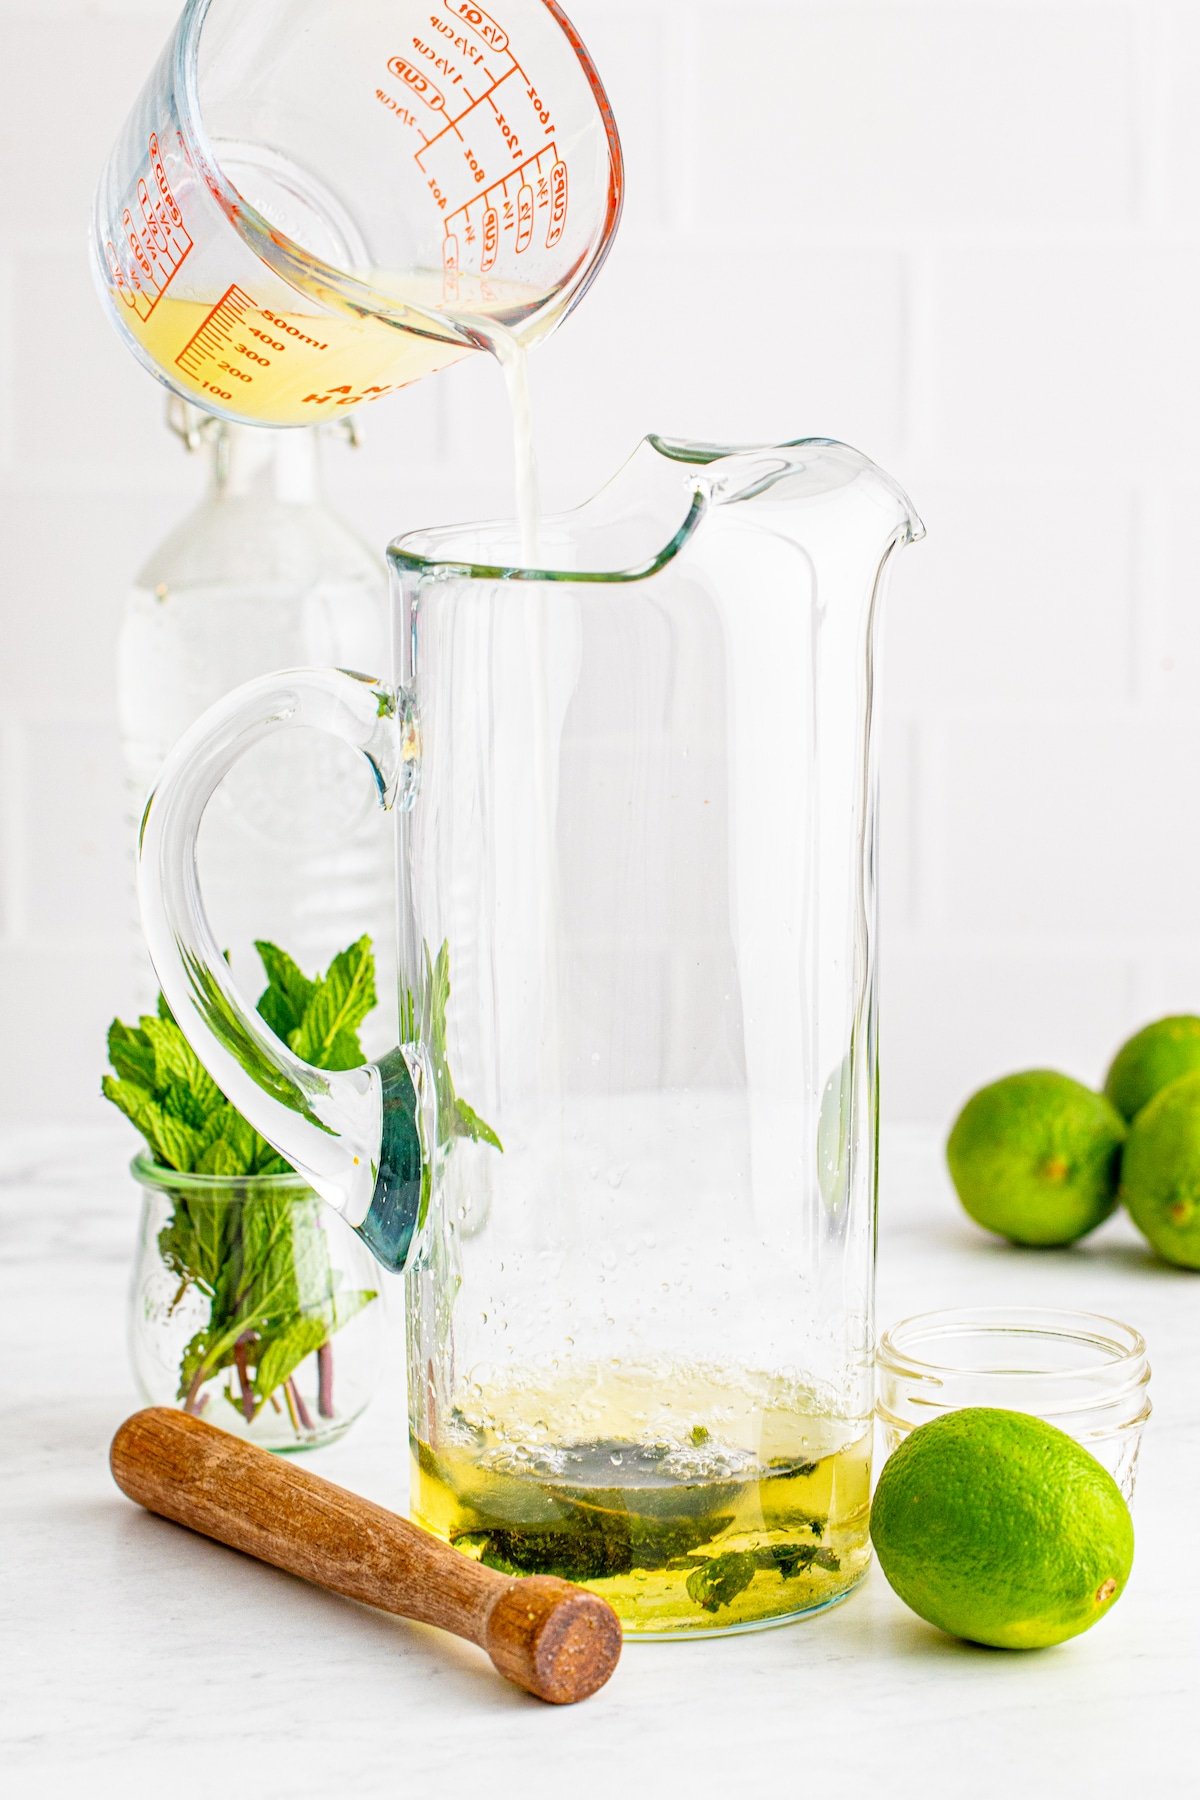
(262, 1263)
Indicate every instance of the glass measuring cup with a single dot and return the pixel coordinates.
(314, 203)
(626, 1146)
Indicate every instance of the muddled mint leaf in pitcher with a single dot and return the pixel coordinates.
(405, 1173)
(468, 1124)
(455, 1118)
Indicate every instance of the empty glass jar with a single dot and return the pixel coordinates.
(1084, 1373)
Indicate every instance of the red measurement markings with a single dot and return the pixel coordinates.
(481, 23)
(502, 183)
(155, 243)
(454, 124)
(524, 218)
(558, 204)
(491, 240)
(417, 84)
(212, 337)
(521, 215)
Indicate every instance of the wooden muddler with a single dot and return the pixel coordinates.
(558, 1641)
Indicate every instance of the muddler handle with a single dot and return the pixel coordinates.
(558, 1641)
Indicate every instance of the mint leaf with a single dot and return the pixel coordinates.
(719, 1581)
(173, 1142)
(455, 1118)
(468, 1124)
(230, 1030)
(182, 1102)
(722, 1578)
(284, 1354)
(288, 990)
(219, 1158)
(276, 1010)
(177, 1065)
(240, 1137)
(344, 1307)
(337, 1007)
(195, 1242)
(131, 1053)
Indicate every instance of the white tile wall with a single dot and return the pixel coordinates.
(965, 237)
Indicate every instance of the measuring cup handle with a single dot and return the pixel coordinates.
(360, 1137)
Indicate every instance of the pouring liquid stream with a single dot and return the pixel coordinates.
(513, 358)
(536, 601)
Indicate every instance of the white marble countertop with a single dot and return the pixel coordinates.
(136, 1659)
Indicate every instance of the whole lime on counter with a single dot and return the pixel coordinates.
(1036, 1157)
(1000, 1529)
(1150, 1060)
(1160, 1172)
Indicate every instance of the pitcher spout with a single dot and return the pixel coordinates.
(658, 501)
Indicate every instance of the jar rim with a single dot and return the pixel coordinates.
(901, 1344)
(156, 1175)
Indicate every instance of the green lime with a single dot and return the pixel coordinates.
(1160, 1173)
(1036, 1157)
(998, 1528)
(1150, 1060)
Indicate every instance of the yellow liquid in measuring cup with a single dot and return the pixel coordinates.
(692, 1502)
(284, 368)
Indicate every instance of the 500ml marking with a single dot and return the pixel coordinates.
(211, 343)
(220, 357)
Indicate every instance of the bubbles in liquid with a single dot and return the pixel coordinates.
(690, 1497)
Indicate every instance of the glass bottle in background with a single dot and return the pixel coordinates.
(262, 574)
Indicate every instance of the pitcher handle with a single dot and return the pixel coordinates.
(360, 1137)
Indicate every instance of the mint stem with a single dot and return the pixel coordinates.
(325, 1380)
(302, 1412)
(198, 1380)
(239, 1357)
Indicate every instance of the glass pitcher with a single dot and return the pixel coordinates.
(626, 1150)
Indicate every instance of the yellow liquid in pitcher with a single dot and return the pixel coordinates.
(694, 1502)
